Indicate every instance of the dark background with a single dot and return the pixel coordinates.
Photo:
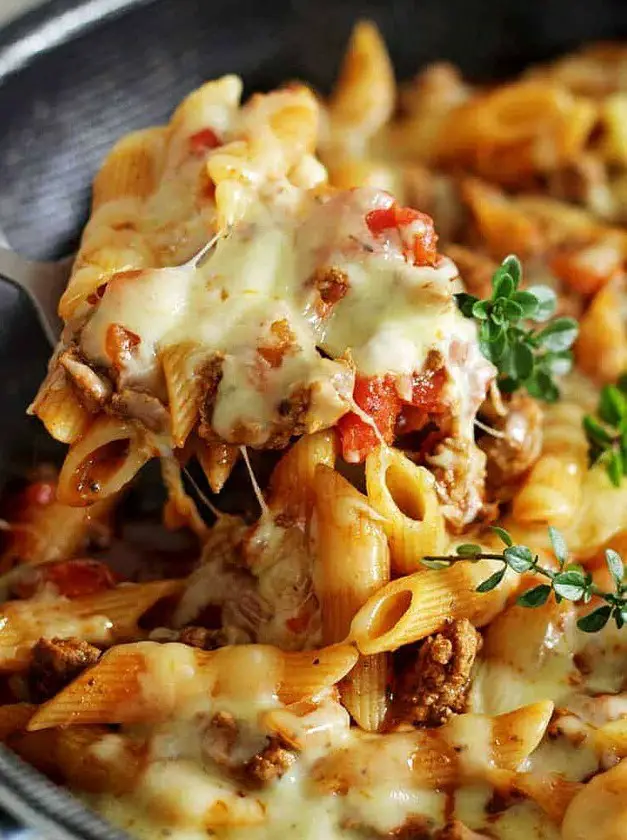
(77, 74)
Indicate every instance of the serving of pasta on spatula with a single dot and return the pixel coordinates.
(406, 307)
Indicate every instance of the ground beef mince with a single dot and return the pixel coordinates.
(55, 663)
(434, 686)
(269, 764)
(201, 637)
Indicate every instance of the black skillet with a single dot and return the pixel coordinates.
(77, 74)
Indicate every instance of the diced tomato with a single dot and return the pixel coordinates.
(424, 243)
(203, 140)
(427, 389)
(381, 219)
(40, 493)
(378, 397)
(72, 578)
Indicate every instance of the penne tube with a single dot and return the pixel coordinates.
(180, 369)
(211, 105)
(352, 563)
(59, 408)
(365, 92)
(292, 491)
(553, 489)
(54, 531)
(217, 461)
(103, 461)
(413, 607)
(405, 496)
(132, 168)
(87, 758)
(180, 509)
(101, 619)
(552, 793)
(599, 810)
(146, 682)
(469, 748)
(307, 673)
(601, 347)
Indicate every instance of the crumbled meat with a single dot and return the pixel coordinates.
(141, 406)
(201, 637)
(93, 389)
(55, 663)
(459, 467)
(517, 447)
(415, 827)
(435, 685)
(292, 414)
(219, 738)
(457, 830)
(281, 342)
(269, 764)
(332, 284)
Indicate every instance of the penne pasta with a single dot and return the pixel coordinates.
(601, 348)
(132, 168)
(180, 510)
(600, 808)
(363, 98)
(412, 607)
(59, 408)
(552, 491)
(469, 748)
(88, 758)
(102, 461)
(53, 531)
(217, 461)
(352, 563)
(180, 368)
(292, 484)
(102, 619)
(405, 496)
(148, 682)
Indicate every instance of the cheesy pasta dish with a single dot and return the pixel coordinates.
(395, 322)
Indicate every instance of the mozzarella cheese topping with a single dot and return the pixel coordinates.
(255, 303)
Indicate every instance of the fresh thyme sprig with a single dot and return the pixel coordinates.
(571, 582)
(525, 357)
(607, 436)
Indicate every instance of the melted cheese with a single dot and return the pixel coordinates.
(259, 277)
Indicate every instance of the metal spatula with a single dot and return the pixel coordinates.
(43, 282)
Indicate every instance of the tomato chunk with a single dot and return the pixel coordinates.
(40, 493)
(416, 229)
(203, 140)
(427, 389)
(378, 397)
(72, 578)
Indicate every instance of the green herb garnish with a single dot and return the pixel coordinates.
(571, 582)
(525, 357)
(607, 434)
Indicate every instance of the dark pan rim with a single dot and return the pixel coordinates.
(38, 804)
(24, 793)
(50, 25)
